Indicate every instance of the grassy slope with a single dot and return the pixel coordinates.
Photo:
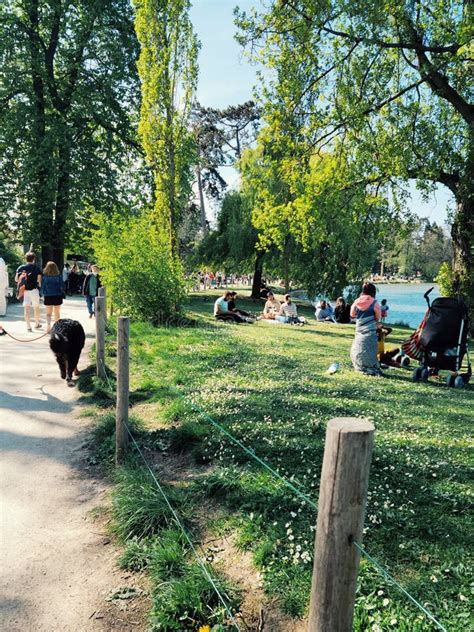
(268, 385)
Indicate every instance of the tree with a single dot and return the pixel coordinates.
(317, 224)
(421, 251)
(221, 137)
(232, 245)
(168, 71)
(385, 84)
(68, 89)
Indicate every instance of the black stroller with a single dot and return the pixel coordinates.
(440, 342)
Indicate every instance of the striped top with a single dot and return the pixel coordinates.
(289, 309)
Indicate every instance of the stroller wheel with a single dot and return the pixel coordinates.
(450, 381)
(424, 374)
(415, 376)
(458, 382)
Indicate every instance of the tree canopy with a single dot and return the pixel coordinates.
(68, 95)
(383, 86)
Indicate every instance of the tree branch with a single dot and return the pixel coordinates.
(441, 87)
(416, 45)
(369, 110)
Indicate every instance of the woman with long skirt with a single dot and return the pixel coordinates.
(366, 312)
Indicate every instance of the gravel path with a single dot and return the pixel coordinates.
(56, 565)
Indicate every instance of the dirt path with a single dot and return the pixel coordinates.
(57, 565)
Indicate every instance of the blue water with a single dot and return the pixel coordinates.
(406, 301)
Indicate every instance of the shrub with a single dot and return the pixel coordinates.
(445, 279)
(143, 278)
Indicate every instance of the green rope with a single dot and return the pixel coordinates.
(297, 491)
(249, 451)
(387, 576)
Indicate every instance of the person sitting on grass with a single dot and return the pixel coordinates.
(271, 309)
(387, 358)
(247, 316)
(221, 309)
(288, 313)
(324, 312)
(342, 312)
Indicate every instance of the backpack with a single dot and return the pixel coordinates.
(21, 286)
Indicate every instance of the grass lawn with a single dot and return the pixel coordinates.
(268, 386)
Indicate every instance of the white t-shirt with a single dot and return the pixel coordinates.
(220, 306)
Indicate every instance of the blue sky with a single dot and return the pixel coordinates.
(227, 78)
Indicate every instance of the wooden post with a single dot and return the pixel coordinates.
(121, 417)
(103, 293)
(341, 509)
(100, 336)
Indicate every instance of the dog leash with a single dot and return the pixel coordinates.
(4, 332)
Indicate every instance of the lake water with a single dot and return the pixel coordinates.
(406, 301)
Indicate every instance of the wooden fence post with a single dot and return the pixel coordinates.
(121, 417)
(341, 509)
(100, 336)
(103, 293)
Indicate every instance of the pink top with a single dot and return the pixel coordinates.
(363, 304)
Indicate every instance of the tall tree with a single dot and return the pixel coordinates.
(221, 136)
(168, 71)
(386, 84)
(232, 244)
(317, 223)
(68, 88)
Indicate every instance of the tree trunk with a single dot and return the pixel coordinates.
(462, 233)
(202, 206)
(42, 211)
(257, 276)
(286, 264)
(62, 199)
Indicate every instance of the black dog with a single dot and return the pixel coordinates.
(66, 342)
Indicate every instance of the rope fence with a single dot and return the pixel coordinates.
(301, 494)
(173, 512)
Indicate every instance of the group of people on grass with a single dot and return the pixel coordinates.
(32, 282)
(365, 311)
(284, 312)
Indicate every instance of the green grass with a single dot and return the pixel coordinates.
(268, 386)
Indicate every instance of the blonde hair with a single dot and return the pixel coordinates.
(51, 269)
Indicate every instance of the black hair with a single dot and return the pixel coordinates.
(370, 289)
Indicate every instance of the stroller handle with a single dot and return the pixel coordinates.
(426, 295)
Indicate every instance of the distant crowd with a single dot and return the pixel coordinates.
(208, 280)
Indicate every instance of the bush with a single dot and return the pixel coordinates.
(445, 279)
(143, 278)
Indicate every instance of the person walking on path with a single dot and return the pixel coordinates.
(30, 275)
(90, 289)
(66, 271)
(52, 288)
